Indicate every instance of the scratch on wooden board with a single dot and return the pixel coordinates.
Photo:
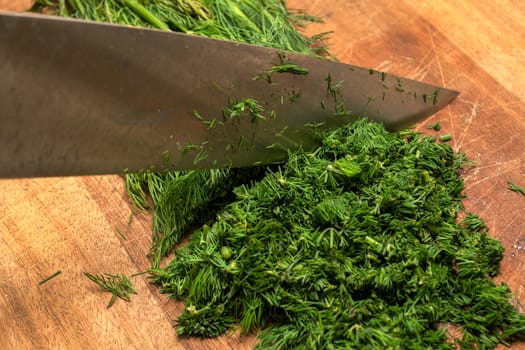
(515, 215)
(519, 297)
(384, 65)
(472, 140)
(469, 118)
(423, 68)
(512, 163)
(398, 64)
(501, 169)
(436, 54)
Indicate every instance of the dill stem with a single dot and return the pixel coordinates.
(77, 6)
(515, 188)
(145, 14)
(62, 8)
(48, 278)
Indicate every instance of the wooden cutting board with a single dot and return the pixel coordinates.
(69, 224)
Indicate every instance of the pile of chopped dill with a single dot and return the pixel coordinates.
(362, 243)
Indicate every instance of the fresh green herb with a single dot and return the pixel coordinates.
(358, 243)
(435, 96)
(197, 115)
(242, 107)
(289, 68)
(435, 126)
(120, 233)
(445, 138)
(264, 76)
(294, 96)
(119, 285)
(145, 14)
(188, 148)
(333, 90)
(200, 156)
(515, 188)
(204, 322)
(282, 131)
(399, 85)
(355, 245)
(209, 123)
(267, 23)
(48, 278)
(139, 273)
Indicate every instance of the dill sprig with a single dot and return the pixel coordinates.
(434, 126)
(119, 286)
(515, 188)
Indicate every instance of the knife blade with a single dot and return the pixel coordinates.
(84, 98)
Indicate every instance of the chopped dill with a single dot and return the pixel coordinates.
(434, 126)
(358, 244)
(48, 278)
(289, 68)
(515, 188)
(445, 137)
(119, 285)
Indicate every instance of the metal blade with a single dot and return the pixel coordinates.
(80, 98)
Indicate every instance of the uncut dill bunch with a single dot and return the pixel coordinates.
(182, 199)
(260, 22)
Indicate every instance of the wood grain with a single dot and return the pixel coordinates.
(16, 5)
(69, 224)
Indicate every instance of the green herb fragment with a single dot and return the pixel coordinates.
(435, 126)
(48, 278)
(187, 148)
(333, 90)
(263, 76)
(515, 188)
(209, 123)
(201, 155)
(120, 233)
(139, 273)
(294, 96)
(289, 68)
(119, 285)
(435, 96)
(445, 138)
(245, 106)
(197, 115)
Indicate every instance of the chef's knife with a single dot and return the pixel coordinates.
(80, 98)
